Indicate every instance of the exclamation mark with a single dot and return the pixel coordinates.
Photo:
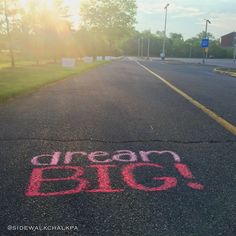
(187, 174)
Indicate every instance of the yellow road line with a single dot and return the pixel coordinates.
(228, 126)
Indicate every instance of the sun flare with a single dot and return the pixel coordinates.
(49, 5)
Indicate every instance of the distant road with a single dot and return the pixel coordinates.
(117, 151)
(215, 62)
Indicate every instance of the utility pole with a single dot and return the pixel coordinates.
(234, 52)
(142, 47)
(138, 47)
(148, 48)
(164, 39)
(190, 51)
(205, 49)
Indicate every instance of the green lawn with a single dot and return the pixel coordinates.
(21, 63)
(24, 79)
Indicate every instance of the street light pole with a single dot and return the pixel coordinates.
(138, 47)
(207, 21)
(205, 52)
(142, 47)
(164, 40)
(234, 53)
(148, 48)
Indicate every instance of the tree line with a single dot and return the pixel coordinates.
(44, 30)
(176, 46)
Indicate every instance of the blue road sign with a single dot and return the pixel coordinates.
(205, 43)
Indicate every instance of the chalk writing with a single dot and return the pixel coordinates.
(126, 162)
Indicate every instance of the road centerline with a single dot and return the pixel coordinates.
(224, 123)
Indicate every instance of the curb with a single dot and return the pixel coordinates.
(225, 72)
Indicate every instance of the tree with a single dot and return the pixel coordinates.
(47, 28)
(114, 19)
(160, 34)
(202, 35)
(176, 45)
(8, 20)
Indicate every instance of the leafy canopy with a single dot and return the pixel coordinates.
(113, 18)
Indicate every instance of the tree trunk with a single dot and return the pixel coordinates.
(111, 47)
(9, 36)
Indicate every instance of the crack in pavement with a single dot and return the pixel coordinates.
(119, 141)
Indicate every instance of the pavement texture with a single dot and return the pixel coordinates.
(121, 106)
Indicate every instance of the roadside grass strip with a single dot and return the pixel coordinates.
(226, 71)
(22, 80)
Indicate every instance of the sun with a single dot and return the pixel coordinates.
(73, 5)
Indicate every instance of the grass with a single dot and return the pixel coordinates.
(21, 63)
(21, 80)
(228, 71)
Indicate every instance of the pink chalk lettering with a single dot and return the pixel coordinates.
(36, 180)
(123, 154)
(128, 175)
(70, 155)
(144, 155)
(184, 171)
(196, 186)
(187, 174)
(93, 157)
(104, 179)
(53, 161)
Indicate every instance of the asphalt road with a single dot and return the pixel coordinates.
(185, 185)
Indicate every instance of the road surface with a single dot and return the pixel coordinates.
(117, 151)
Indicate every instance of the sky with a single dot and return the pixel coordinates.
(187, 16)
(184, 16)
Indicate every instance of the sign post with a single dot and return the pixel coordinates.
(205, 45)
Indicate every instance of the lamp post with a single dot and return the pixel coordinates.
(207, 21)
(148, 48)
(142, 47)
(234, 45)
(206, 49)
(234, 53)
(138, 47)
(164, 40)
